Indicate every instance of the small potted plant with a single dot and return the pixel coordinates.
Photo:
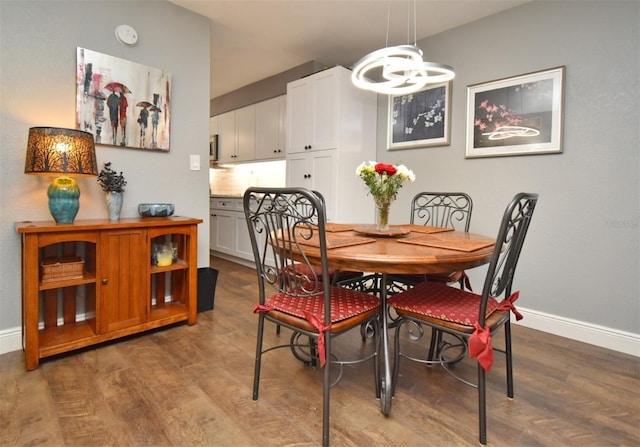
(112, 183)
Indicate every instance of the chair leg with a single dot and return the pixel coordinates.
(256, 373)
(436, 338)
(509, 362)
(326, 389)
(482, 406)
(376, 359)
(396, 359)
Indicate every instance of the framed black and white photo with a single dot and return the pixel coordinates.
(420, 119)
(521, 115)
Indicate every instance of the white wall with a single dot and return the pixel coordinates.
(580, 262)
(37, 87)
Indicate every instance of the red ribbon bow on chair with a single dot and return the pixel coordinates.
(507, 304)
(480, 346)
(261, 308)
(480, 340)
(321, 329)
(313, 321)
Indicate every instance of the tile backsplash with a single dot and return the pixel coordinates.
(233, 180)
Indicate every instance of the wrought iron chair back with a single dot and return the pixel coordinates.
(513, 230)
(442, 209)
(284, 221)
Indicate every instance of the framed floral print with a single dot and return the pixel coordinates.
(420, 119)
(521, 115)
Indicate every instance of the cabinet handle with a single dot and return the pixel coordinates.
(104, 281)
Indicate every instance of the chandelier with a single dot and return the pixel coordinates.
(398, 70)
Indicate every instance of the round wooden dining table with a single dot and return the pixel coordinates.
(403, 249)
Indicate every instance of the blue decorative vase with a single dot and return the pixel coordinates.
(64, 199)
(114, 205)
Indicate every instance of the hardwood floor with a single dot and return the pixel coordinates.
(191, 386)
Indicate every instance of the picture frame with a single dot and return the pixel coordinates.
(123, 103)
(520, 115)
(421, 119)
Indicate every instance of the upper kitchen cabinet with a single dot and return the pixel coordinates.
(227, 140)
(213, 126)
(331, 129)
(270, 128)
(237, 135)
(313, 111)
(213, 139)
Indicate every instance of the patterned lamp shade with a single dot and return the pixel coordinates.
(69, 152)
(52, 150)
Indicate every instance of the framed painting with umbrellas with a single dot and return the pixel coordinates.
(123, 103)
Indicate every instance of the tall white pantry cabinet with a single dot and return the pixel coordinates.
(331, 129)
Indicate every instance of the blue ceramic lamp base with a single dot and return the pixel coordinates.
(64, 199)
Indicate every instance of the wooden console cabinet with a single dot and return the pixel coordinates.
(119, 293)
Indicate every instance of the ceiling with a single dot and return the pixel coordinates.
(254, 39)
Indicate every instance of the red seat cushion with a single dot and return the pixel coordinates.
(345, 304)
(437, 300)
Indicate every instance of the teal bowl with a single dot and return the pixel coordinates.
(156, 209)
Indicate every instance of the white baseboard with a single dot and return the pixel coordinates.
(616, 340)
(10, 340)
(593, 334)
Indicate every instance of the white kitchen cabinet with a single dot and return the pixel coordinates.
(315, 171)
(213, 126)
(331, 129)
(270, 128)
(242, 241)
(246, 133)
(223, 226)
(237, 135)
(213, 138)
(313, 111)
(229, 233)
(213, 227)
(227, 141)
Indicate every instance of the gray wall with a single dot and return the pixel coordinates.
(37, 87)
(270, 87)
(581, 258)
(580, 261)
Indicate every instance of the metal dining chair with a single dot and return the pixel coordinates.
(438, 209)
(335, 275)
(284, 225)
(441, 209)
(471, 319)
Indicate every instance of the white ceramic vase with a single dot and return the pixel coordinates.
(114, 204)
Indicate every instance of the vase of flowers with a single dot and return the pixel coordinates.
(384, 182)
(112, 183)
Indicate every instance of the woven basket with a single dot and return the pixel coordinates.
(56, 269)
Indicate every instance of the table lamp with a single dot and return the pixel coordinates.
(53, 150)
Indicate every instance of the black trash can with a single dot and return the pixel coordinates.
(207, 278)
